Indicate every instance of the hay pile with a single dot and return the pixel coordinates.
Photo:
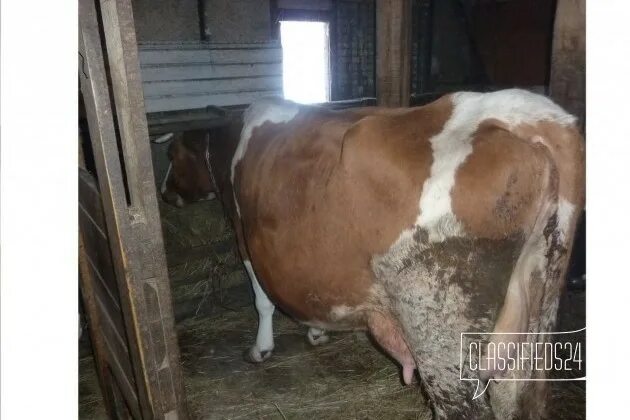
(345, 378)
(202, 256)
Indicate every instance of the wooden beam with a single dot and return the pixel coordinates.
(393, 52)
(132, 223)
(567, 81)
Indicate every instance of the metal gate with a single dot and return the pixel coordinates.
(124, 279)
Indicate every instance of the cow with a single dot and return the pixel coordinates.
(414, 224)
(188, 161)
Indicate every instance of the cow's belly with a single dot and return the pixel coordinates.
(316, 281)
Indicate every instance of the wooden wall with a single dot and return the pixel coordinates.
(513, 40)
(393, 52)
(567, 84)
(178, 76)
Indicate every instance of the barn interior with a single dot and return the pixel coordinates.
(253, 48)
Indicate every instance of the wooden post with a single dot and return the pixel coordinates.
(424, 22)
(568, 58)
(393, 52)
(147, 349)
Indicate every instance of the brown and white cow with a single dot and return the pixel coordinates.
(415, 224)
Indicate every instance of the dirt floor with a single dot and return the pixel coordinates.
(347, 378)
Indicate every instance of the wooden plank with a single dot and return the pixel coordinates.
(141, 235)
(110, 328)
(424, 27)
(123, 381)
(98, 254)
(200, 101)
(567, 83)
(96, 264)
(90, 199)
(98, 267)
(191, 75)
(100, 262)
(109, 299)
(119, 34)
(98, 109)
(200, 45)
(132, 248)
(154, 56)
(94, 327)
(305, 4)
(209, 71)
(199, 87)
(393, 52)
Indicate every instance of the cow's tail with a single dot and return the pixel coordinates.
(530, 307)
(528, 275)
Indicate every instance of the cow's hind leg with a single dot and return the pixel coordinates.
(436, 291)
(262, 348)
(317, 336)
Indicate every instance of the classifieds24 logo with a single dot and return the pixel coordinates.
(553, 356)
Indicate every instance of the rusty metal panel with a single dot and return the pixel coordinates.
(111, 85)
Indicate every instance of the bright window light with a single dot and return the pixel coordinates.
(305, 61)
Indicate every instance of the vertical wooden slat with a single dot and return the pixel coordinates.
(147, 257)
(94, 326)
(567, 82)
(425, 45)
(393, 52)
(134, 230)
(95, 91)
(122, 52)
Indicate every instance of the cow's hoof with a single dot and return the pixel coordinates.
(253, 355)
(317, 337)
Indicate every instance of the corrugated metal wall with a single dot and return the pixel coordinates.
(190, 75)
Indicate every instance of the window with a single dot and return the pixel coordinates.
(306, 61)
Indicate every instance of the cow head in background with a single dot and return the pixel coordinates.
(200, 164)
(189, 178)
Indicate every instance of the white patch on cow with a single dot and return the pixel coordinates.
(210, 196)
(317, 336)
(338, 313)
(168, 172)
(566, 209)
(452, 146)
(264, 337)
(271, 110)
(179, 201)
(163, 138)
(539, 139)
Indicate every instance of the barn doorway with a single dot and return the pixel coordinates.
(306, 61)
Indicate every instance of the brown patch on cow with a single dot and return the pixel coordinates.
(323, 193)
(567, 148)
(498, 187)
